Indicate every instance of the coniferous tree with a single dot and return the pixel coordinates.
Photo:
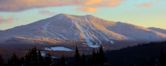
(14, 61)
(48, 60)
(1, 61)
(22, 61)
(162, 58)
(83, 60)
(40, 59)
(62, 61)
(33, 57)
(101, 56)
(77, 57)
(94, 57)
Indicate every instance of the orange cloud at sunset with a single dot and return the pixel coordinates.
(114, 3)
(146, 5)
(92, 5)
(92, 2)
(18, 5)
(89, 9)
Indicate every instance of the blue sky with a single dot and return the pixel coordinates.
(148, 13)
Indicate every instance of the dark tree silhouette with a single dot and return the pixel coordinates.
(63, 61)
(48, 60)
(83, 60)
(162, 58)
(34, 57)
(1, 61)
(14, 61)
(101, 56)
(94, 57)
(77, 57)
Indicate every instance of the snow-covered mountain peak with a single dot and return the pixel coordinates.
(90, 29)
(75, 17)
(62, 16)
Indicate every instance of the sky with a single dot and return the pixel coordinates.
(148, 13)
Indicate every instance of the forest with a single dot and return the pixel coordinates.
(151, 54)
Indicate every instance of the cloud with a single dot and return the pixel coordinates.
(6, 20)
(114, 3)
(93, 5)
(89, 9)
(86, 5)
(92, 2)
(146, 5)
(149, 4)
(17, 5)
(46, 12)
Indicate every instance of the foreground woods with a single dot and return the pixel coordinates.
(127, 57)
(35, 58)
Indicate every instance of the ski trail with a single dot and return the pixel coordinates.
(94, 38)
(60, 35)
(86, 34)
(46, 26)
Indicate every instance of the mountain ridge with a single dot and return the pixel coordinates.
(158, 29)
(87, 28)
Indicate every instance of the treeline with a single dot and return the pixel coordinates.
(34, 58)
(97, 57)
(149, 54)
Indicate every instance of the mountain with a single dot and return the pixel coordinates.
(137, 33)
(89, 29)
(158, 29)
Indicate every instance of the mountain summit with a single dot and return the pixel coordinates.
(87, 28)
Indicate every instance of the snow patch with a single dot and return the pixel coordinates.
(58, 49)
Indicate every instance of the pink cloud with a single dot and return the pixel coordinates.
(88, 9)
(92, 2)
(92, 5)
(18, 5)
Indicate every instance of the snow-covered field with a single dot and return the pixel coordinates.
(58, 49)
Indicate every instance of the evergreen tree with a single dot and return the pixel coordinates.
(39, 58)
(77, 57)
(1, 61)
(83, 60)
(33, 57)
(14, 61)
(22, 61)
(162, 58)
(101, 56)
(94, 57)
(48, 60)
(62, 61)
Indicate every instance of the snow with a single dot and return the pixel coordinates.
(43, 53)
(112, 42)
(58, 49)
(47, 32)
(85, 35)
(93, 30)
(137, 33)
